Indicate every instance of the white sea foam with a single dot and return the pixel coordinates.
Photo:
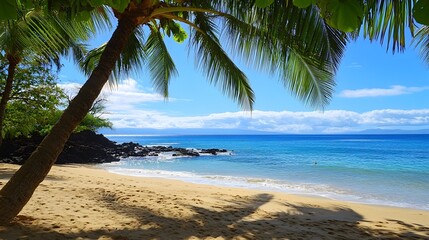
(162, 157)
(169, 157)
(227, 153)
(164, 144)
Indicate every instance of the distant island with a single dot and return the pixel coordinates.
(393, 131)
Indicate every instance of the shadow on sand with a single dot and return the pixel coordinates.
(7, 173)
(232, 221)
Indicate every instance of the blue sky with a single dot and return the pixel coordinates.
(375, 89)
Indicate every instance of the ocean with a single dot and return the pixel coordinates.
(375, 169)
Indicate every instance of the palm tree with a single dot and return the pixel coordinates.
(41, 37)
(293, 43)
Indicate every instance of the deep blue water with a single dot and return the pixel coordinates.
(379, 169)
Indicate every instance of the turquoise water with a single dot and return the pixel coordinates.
(378, 169)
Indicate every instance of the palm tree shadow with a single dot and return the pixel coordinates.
(7, 173)
(233, 220)
(206, 222)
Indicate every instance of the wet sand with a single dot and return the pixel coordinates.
(83, 202)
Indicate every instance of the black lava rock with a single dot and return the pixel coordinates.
(90, 147)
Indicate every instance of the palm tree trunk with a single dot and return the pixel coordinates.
(13, 63)
(19, 189)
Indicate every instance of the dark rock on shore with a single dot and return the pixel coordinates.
(89, 147)
(82, 147)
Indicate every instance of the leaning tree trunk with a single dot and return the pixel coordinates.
(19, 189)
(13, 62)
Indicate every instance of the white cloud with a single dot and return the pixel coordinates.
(126, 95)
(125, 107)
(392, 117)
(70, 88)
(354, 65)
(334, 121)
(378, 92)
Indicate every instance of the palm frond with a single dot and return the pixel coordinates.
(77, 51)
(231, 7)
(220, 69)
(131, 61)
(41, 35)
(46, 36)
(422, 40)
(10, 42)
(389, 21)
(280, 38)
(91, 59)
(308, 79)
(101, 19)
(160, 63)
(132, 58)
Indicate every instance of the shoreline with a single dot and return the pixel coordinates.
(250, 183)
(92, 203)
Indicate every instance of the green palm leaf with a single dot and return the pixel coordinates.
(160, 63)
(131, 61)
(100, 19)
(43, 35)
(422, 40)
(220, 69)
(302, 49)
(91, 59)
(309, 79)
(389, 21)
(132, 58)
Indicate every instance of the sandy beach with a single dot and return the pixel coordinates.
(84, 202)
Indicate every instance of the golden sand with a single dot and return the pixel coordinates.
(81, 202)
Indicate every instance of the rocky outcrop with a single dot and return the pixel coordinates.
(89, 147)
